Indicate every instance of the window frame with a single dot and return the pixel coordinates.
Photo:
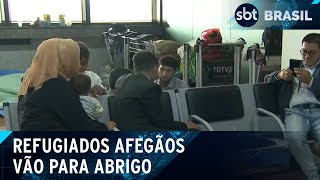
(4, 12)
(86, 20)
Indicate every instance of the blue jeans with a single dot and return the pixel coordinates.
(300, 123)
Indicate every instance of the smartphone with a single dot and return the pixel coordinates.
(294, 63)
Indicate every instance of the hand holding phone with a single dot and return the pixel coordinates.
(294, 63)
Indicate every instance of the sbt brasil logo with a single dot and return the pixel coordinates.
(247, 15)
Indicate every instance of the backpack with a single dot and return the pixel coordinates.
(212, 36)
(166, 48)
(211, 53)
(272, 40)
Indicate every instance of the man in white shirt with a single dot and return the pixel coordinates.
(97, 87)
(167, 68)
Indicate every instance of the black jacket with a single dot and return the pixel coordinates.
(55, 106)
(139, 108)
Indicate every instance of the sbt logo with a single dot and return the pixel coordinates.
(246, 15)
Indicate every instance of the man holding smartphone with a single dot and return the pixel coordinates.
(299, 101)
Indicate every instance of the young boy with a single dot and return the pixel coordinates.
(97, 87)
(81, 85)
(115, 74)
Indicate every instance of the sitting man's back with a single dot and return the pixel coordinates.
(138, 100)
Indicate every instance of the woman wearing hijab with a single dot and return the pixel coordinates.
(49, 102)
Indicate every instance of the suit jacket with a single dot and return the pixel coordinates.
(139, 107)
(285, 89)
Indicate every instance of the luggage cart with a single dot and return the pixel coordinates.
(114, 45)
(189, 65)
(257, 61)
(105, 36)
(132, 46)
(221, 68)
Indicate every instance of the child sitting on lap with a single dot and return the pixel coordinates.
(82, 86)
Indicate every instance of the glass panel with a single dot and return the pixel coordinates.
(121, 11)
(29, 10)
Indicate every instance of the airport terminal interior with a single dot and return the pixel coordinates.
(224, 68)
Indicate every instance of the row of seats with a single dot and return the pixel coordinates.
(220, 108)
(226, 108)
(243, 107)
(11, 115)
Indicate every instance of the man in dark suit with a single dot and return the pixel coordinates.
(138, 98)
(299, 98)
